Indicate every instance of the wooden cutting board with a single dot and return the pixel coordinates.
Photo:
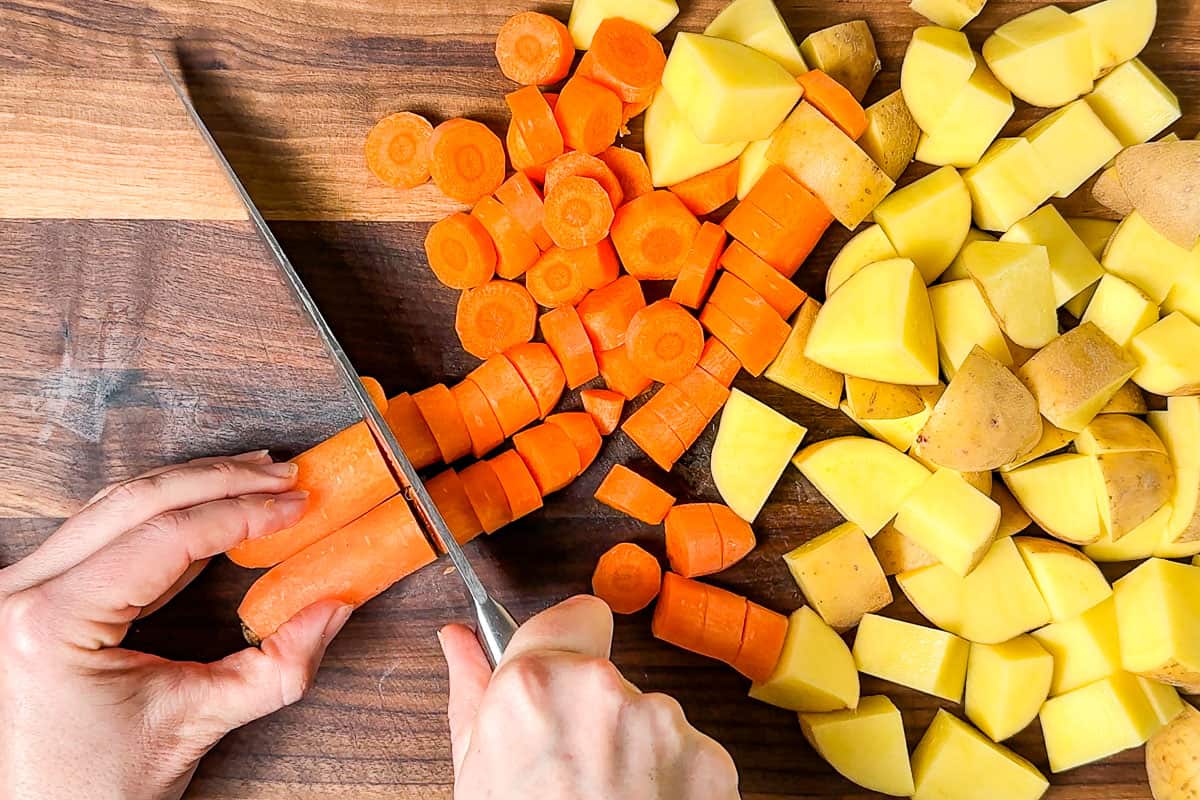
(141, 323)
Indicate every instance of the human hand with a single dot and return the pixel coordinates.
(82, 717)
(558, 720)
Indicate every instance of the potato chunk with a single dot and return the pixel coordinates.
(904, 217)
(792, 370)
(815, 672)
(1073, 268)
(1173, 757)
(586, 16)
(753, 446)
(937, 65)
(673, 152)
(948, 13)
(1044, 57)
(1061, 494)
(758, 24)
(1015, 280)
(891, 136)
(921, 658)
(840, 576)
(865, 745)
(1179, 430)
(1008, 184)
(1166, 356)
(1069, 581)
(1134, 103)
(972, 122)
(1096, 721)
(1007, 684)
(963, 322)
(1119, 30)
(1157, 607)
(1145, 258)
(846, 53)
(951, 519)
(1086, 648)
(867, 246)
(955, 760)
(1076, 375)
(1120, 309)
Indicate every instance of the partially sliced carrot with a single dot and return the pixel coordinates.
(467, 160)
(589, 115)
(720, 362)
(482, 425)
(563, 330)
(551, 456)
(534, 49)
(556, 279)
(511, 401)
(626, 58)
(782, 295)
(679, 613)
(708, 191)
(460, 251)
(699, 267)
(581, 430)
(541, 372)
(579, 212)
(607, 312)
(631, 171)
(627, 578)
(724, 624)
(487, 497)
(740, 302)
(787, 201)
(445, 421)
(620, 374)
(535, 122)
(582, 165)
(450, 498)
(756, 346)
(654, 436)
(494, 317)
(605, 406)
(703, 391)
(520, 489)
(684, 419)
(693, 540)
(834, 101)
(375, 391)
(664, 341)
(630, 493)
(516, 251)
(397, 150)
(762, 643)
(737, 537)
(522, 160)
(521, 198)
(653, 235)
(411, 431)
(779, 220)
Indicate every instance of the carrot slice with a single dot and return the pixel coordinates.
(693, 540)
(460, 251)
(834, 101)
(579, 212)
(699, 267)
(598, 264)
(445, 421)
(780, 220)
(782, 295)
(626, 58)
(551, 456)
(703, 391)
(467, 160)
(520, 489)
(397, 150)
(654, 436)
(581, 430)
(487, 497)
(556, 279)
(494, 317)
(620, 374)
(664, 341)
(630, 493)
(351, 565)
(589, 115)
(534, 49)
(684, 419)
(629, 111)
(631, 171)
(605, 406)
(511, 401)
(582, 165)
(607, 312)
(522, 199)
(720, 362)
(482, 425)
(564, 332)
(653, 235)
(450, 498)
(521, 159)
(737, 537)
(724, 624)
(411, 431)
(708, 191)
(627, 578)
(516, 251)
(679, 613)
(535, 122)
(762, 643)
(375, 392)
(756, 346)
(740, 302)
(541, 372)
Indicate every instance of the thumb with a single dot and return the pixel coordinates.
(470, 674)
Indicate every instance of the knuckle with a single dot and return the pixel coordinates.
(664, 711)
(714, 760)
(23, 630)
(528, 677)
(294, 683)
(602, 676)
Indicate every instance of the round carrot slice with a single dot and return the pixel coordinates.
(627, 578)
(397, 149)
(589, 115)
(494, 317)
(626, 58)
(467, 160)
(568, 339)
(487, 497)
(585, 166)
(556, 279)
(460, 252)
(534, 49)
(664, 341)
(518, 483)
(578, 212)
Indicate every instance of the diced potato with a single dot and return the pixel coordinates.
(981, 481)
(1132, 487)
(1069, 581)
(840, 576)
(1016, 283)
(957, 271)
(891, 136)
(1134, 103)
(951, 519)
(1157, 605)
(817, 153)
(1119, 30)
(1007, 184)
(969, 126)
(792, 370)
(1060, 493)
(753, 446)
(1044, 57)
(1120, 309)
(1096, 721)
(1094, 233)
(1166, 356)
(1137, 545)
(953, 760)
(846, 53)
(897, 553)
(870, 399)
(963, 322)
(1013, 518)
(1052, 440)
(1118, 433)
(905, 214)
(878, 325)
(937, 65)
(937, 594)
(1173, 757)
(899, 433)
(948, 13)
(1007, 684)
(1163, 699)
(673, 152)
(1184, 296)
(869, 245)
(1129, 399)
(1073, 268)
(714, 81)
(586, 16)
(758, 24)
(1144, 257)
(1078, 304)
(921, 658)
(815, 672)
(1179, 430)
(752, 163)
(1076, 375)
(1085, 648)
(865, 480)
(1073, 144)
(866, 745)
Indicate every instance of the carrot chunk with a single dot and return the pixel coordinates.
(494, 317)
(653, 235)
(654, 436)
(541, 372)
(520, 489)
(397, 150)
(460, 251)
(535, 122)
(724, 624)
(375, 391)
(699, 267)
(708, 191)
(625, 58)
(516, 251)
(835, 102)
(582, 165)
(589, 115)
(411, 431)
(737, 537)
(556, 279)
(780, 220)
(779, 292)
(693, 540)
(607, 312)
(627, 578)
(718, 361)
(568, 339)
(511, 401)
(467, 160)
(605, 406)
(521, 198)
(522, 161)
(487, 497)
(482, 425)
(685, 420)
(551, 456)
(679, 613)
(703, 391)
(581, 430)
(450, 498)
(755, 346)
(631, 171)
(762, 643)
(664, 341)
(630, 493)
(534, 49)
(620, 374)
(441, 414)
(579, 212)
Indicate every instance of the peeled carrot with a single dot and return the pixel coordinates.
(521, 159)
(653, 235)
(693, 540)
(737, 537)
(556, 280)
(460, 251)
(703, 391)
(664, 341)
(345, 477)
(589, 115)
(551, 456)
(397, 150)
(629, 111)
(563, 331)
(607, 312)
(779, 220)
(522, 199)
(834, 101)
(520, 489)
(494, 317)
(620, 374)
(516, 251)
(737, 299)
(762, 643)
(541, 372)
(411, 431)
(598, 264)
(679, 613)
(351, 565)
(441, 414)
(627, 578)
(724, 624)
(581, 430)
(718, 361)
(482, 425)
(506, 392)
(605, 406)
(699, 267)
(467, 160)
(535, 122)
(684, 419)
(631, 171)
(782, 295)
(450, 497)
(630, 493)
(583, 165)
(579, 212)
(487, 497)
(708, 191)
(534, 49)
(654, 436)
(756, 346)
(375, 392)
(625, 58)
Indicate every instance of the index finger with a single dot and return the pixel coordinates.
(583, 624)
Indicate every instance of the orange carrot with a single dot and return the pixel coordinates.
(551, 456)
(699, 267)
(460, 251)
(685, 420)
(541, 372)
(450, 498)
(582, 165)
(522, 199)
(627, 578)
(511, 401)
(598, 264)
(520, 489)
(664, 341)
(718, 361)
(629, 111)
(445, 421)
(607, 312)
(411, 431)
(397, 150)
(351, 565)
(754, 342)
(834, 101)
(653, 235)
(626, 58)
(589, 115)
(631, 171)
(535, 122)
(724, 624)
(779, 220)
(467, 160)
(563, 331)
(556, 279)
(581, 430)
(703, 391)
(630, 493)
(605, 406)
(708, 191)
(579, 212)
(740, 302)
(534, 49)
(782, 295)
(654, 436)
(522, 161)
(762, 643)
(737, 537)
(494, 317)
(516, 251)
(693, 540)
(620, 374)
(345, 477)
(487, 497)
(375, 392)
(482, 425)
(679, 613)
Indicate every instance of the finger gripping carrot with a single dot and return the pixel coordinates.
(631, 171)
(653, 235)
(411, 431)
(534, 49)
(441, 414)
(563, 331)
(460, 252)
(605, 406)
(579, 213)
(494, 317)
(535, 121)
(551, 456)
(467, 160)
(541, 372)
(583, 165)
(627, 578)
(708, 191)
(699, 266)
(626, 58)
(607, 312)
(589, 115)
(397, 150)
(664, 341)
(516, 251)
(630, 493)
(581, 430)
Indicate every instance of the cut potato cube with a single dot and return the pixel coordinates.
(1184, 296)
(753, 446)
(586, 16)
(673, 152)
(982, 481)
(921, 658)
(752, 163)
(870, 399)
(1179, 430)
(1145, 258)
(963, 322)
(1008, 184)
(1073, 144)
(1016, 283)
(969, 126)
(957, 271)
(1134, 103)
(1129, 399)
(1060, 493)
(1132, 486)
(840, 576)
(904, 217)
(1013, 518)
(891, 136)
(1052, 440)
(1157, 607)
(792, 370)
(1119, 30)
(1166, 354)
(897, 553)
(1139, 544)
(948, 13)
(865, 745)
(1120, 309)
(1076, 375)
(815, 672)
(758, 24)
(846, 53)
(899, 433)
(714, 81)
(1069, 581)
(1007, 684)
(1096, 721)
(1163, 699)
(937, 65)
(1044, 57)
(1118, 433)
(1094, 233)
(951, 519)
(1085, 648)
(1073, 268)
(878, 325)
(867, 246)
(953, 760)
(937, 594)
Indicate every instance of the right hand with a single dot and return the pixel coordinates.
(558, 720)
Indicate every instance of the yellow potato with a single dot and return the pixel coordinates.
(753, 446)
(1073, 144)
(1118, 433)
(792, 370)
(937, 65)
(899, 433)
(963, 322)
(586, 16)
(840, 576)
(867, 246)
(953, 760)
(1145, 258)
(1184, 296)
(866, 745)
(1051, 441)
(1007, 684)
(1134, 103)
(1085, 648)
(905, 214)
(980, 480)
(1173, 758)
(891, 136)
(950, 519)
(815, 672)
(1157, 605)
(948, 13)
(1139, 544)
(846, 53)
(1164, 699)
(1007, 184)
(1073, 268)
(1044, 57)
(1069, 581)
(957, 271)
(921, 658)
(1118, 29)
(752, 163)
(1158, 179)
(1120, 309)
(968, 127)
(1061, 494)
(1016, 283)
(870, 399)
(1013, 518)
(1166, 356)
(1076, 375)
(1094, 233)
(1179, 430)
(1096, 721)
(1128, 400)
(758, 24)
(897, 553)
(1133, 485)
(673, 152)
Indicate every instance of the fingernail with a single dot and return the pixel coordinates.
(252, 455)
(337, 621)
(285, 470)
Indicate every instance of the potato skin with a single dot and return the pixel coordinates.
(1173, 758)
